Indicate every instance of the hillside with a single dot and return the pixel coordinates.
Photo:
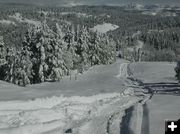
(100, 88)
(88, 69)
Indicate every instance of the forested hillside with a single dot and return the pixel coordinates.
(44, 44)
(48, 55)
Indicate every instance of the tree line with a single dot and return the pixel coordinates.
(49, 54)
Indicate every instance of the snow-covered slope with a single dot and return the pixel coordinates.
(18, 17)
(103, 100)
(97, 114)
(154, 72)
(103, 28)
(99, 79)
(165, 103)
(161, 108)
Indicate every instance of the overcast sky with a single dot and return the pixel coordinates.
(93, 2)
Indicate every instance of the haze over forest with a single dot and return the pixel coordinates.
(92, 2)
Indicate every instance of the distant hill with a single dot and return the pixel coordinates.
(92, 2)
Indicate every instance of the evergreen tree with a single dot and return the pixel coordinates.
(48, 55)
(2, 59)
(10, 68)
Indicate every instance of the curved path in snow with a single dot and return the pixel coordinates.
(142, 113)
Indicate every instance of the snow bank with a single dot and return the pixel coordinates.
(43, 115)
(103, 28)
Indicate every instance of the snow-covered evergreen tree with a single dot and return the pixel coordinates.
(95, 48)
(2, 51)
(48, 55)
(2, 59)
(10, 68)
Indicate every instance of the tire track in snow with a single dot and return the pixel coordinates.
(125, 124)
(123, 73)
(143, 119)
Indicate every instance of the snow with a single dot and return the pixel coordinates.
(155, 30)
(122, 71)
(154, 72)
(153, 13)
(103, 28)
(159, 12)
(139, 45)
(78, 14)
(42, 115)
(45, 12)
(162, 106)
(18, 17)
(7, 22)
(94, 103)
(136, 34)
(98, 79)
(82, 114)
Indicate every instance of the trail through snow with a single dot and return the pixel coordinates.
(123, 72)
(135, 119)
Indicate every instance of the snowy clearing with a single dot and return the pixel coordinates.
(164, 104)
(97, 114)
(103, 28)
(18, 17)
(116, 111)
(7, 22)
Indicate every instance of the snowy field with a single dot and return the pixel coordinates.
(103, 100)
(97, 114)
(97, 80)
(165, 104)
(104, 28)
(7, 22)
(18, 17)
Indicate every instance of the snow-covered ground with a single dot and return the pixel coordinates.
(62, 113)
(98, 79)
(159, 12)
(106, 99)
(97, 114)
(165, 103)
(18, 17)
(7, 22)
(103, 28)
(154, 72)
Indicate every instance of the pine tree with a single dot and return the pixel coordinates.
(95, 49)
(3, 62)
(177, 70)
(49, 55)
(2, 51)
(10, 68)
